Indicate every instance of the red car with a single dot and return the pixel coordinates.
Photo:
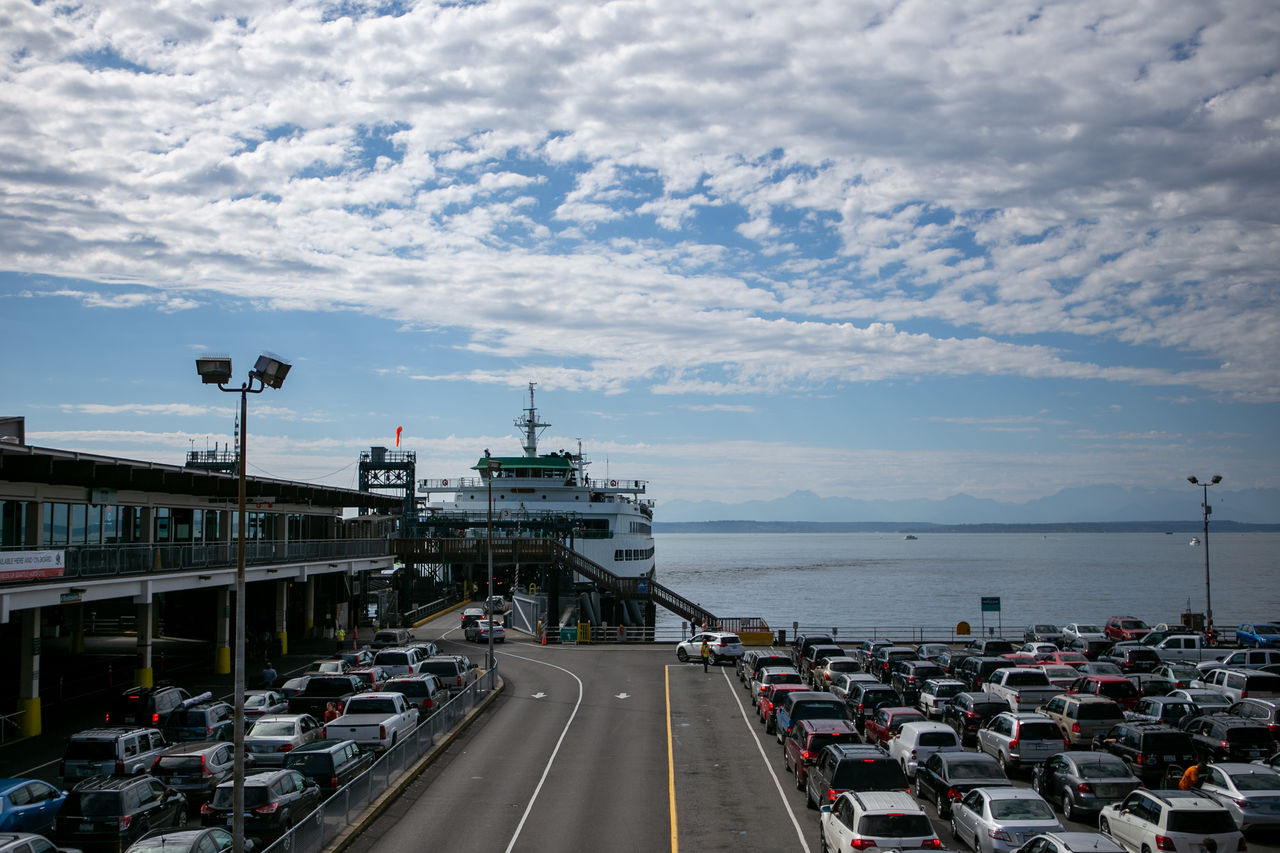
(770, 699)
(886, 722)
(1125, 628)
(1114, 687)
(1075, 659)
(808, 737)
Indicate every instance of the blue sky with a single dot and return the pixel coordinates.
(871, 250)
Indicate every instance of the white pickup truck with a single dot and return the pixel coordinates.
(1023, 687)
(375, 721)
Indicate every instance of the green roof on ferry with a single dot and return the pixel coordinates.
(540, 463)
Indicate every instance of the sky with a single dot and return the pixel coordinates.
(892, 250)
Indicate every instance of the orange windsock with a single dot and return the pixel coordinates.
(398, 435)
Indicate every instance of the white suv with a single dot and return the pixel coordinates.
(1172, 820)
(861, 820)
(915, 742)
(724, 647)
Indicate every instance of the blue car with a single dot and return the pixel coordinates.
(28, 805)
(1260, 634)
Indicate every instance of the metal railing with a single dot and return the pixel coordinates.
(417, 614)
(99, 561)
(344, 808)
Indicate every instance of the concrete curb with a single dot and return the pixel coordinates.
(378, 806)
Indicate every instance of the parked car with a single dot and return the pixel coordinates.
(919, 739)
(1258, 634)
(1181, 674)
(388, 637)
(145, 706)
(862, 650)
(115, 811)
(1150, 750)
(471, 614)
(1081, 717)
(884, 724)
(274, 736)
(1225, 737)
(803, 641)
(774, 675)
(932, 651)
(1190, 649)
(425, 692)
(725, 647)
(1099, 667)
(1248, 791)
(754, 660)
(323, 689)
(1171, 710)
(1237, 684)
(1071, 842)
(1120, 628)
(29, 842)
(1043, 632)
(1133, 659)
(195, 768)
(910, 675)
(274, 801)
(1243, 659)
(815, 656)
(950, 661)
(883, 658)
(1000, 819)
(1072, 659)
(806, 705)
(1019, 740)
(330, 666)
(293, 686)
(399, 660)
(771, 699)
(1082, 782)
(808, 737)
(975, 671)
(831, 667)
(1077, 630)
(28, 805)
(969, 712)
(1092, 648)
(1022, 688)
(375, 721)
(1150, 684)
(1114, 687)
(990, 647)
(1038, 648)
(842, 684)
(1059, 674)
(260, 702)
(936, 694)
(119, 751)
(372, 676)
(456, 672)
(865, 698)
(331, 764)
(945, 777)
(860, 820)
(1265, 711)
(1173, 820)
(851, 767)
(362, 656)
(209, 839)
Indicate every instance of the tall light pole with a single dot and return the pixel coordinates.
(1207, 510)
(491, 467)
(269, 372)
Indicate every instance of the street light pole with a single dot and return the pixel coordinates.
(1207, 511)
(269, 372)
(492, 466)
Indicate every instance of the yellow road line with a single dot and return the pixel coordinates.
(671, 766)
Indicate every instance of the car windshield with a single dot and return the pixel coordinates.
(1207, 698)
(1021, 810)
(392, 659)
(1131, 624)
(309, 762)
(1118, 689)
(1202, 822)
(869, 774)
(817, 742)
(93, 803)
(895, 826)
(254, 796)
(970, 770)
(1099, 711)
(819, 710)
(1266, 629)
(937, 738)
(408, 688)
(1060, 671)
(328, 687)
(1167, 743)
(1088, 629)
(272, 728)
(443, 667)
(1039, 731)
(1251, 736)
(255, 701)
(945, 690)
(843, 666)
(1101, 766)
(179, 763)
(90, 750)
(989, 709)
(1256, 781)
(1046, 629)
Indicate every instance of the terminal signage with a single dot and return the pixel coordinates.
(31, 565)
(991, 604)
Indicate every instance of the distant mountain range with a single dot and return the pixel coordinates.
(1134, 508)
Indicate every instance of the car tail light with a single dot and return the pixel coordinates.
(932, 843)
(1241, 847)
(953, 793)
(204, 768)
(805, 755)
(832, 793)
(999, 835)
(913, 755)
(862, 844)
(269, 808)
(155, 718)
(1164, 842)
(1084, 788)
(119, 768)
(206, 809)
(382, 732)
(284, 747)
(124, 820)
(1075, 728)
(1013, 744)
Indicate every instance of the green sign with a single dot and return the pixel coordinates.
(991, 604)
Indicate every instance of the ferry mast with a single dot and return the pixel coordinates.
(531, 426)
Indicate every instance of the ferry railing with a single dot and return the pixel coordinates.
(343, 809)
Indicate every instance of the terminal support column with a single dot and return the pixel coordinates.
(222, 632)
(144, 674)
(282, 615)
(308, 608)
(75, 612)
(29, 674)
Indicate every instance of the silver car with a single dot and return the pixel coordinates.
(273, 737)
(991, 820)
(1250, 792)
(1018, 739)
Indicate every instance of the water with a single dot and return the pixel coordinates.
(881, 579)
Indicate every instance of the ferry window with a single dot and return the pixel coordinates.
(55, 524)
(93, 525)
(76, 524)
(197, 524)
(161, 524)
(13, 522)
(617, 556)
(181, 525)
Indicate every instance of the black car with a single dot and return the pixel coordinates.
(946, 777)
(802, 643)
(970, 711)
(851, 767)
(212, 839)
(1226, 737)
(950, 661)
(975, 671)
(865, 698)
(195, 769)
(909, 675)
(112, 812)
(1082, 782)
(1153, 751)
(330, 763)
(146, 706)
(209, 719)
(1133, 659)
(274, 801)
(990, 648)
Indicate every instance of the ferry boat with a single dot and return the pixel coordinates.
(609, 520)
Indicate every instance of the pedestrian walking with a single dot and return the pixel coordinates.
(330, 712)
(706, 654)
(268, 676)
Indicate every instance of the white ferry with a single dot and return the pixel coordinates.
(611, 523)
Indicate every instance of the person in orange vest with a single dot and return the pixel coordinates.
(706, 654)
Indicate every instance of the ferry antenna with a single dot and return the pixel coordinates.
(531, 426)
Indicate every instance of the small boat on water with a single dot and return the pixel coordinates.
(910, 536)
(1195, 540)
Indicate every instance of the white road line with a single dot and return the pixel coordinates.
(546, 770)
(768, 765)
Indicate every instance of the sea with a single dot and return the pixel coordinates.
(864, 580)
